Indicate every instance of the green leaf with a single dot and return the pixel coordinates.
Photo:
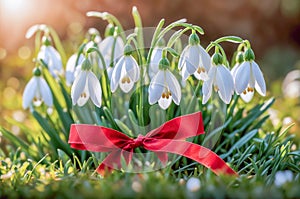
(233, 39)
(245, 139)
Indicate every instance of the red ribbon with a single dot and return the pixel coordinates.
(168, 138)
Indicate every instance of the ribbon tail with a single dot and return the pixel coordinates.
(197, 153)
(111, 162)
(163, 157)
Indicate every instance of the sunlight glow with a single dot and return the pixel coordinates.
(13, 6)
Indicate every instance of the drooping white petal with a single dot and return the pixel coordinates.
(247, 97)
(234, 70)
(106, 45)
(173, 86)
(242, 77)
(183, 57)
(193, 58)
(43, 55)
(156, 87)
(192, 62)
(78, 86)
(116, 74)
(119, 48)
(56, 60)
(29, 92)
(184, 73)
(132, 68)
(207, 85)
(206, 89)
(260, 84)
(204, 58)
(225, 84)
(70, 68)
(109, 72)
(94, 89)
(154, 61)
(45, 92)
(164, 103)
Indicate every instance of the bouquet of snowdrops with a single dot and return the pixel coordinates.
(133, 81)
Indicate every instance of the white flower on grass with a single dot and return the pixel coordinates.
(220, 79)
(125, 73)
(281, 177)
(85, 86)
(194, 60)
(71, 68)
(164, 87)
(51, 57)
(193, 184)
(154, 61)
(249, 76)
(37, 91)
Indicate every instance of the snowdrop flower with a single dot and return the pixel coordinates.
(220, 79)
(246, 96)
(71, 68)
(154, 61)
(108, 45)
(37, 91)
(194, 60)
(281, 177)
(125, 73)
(51, 57)
(85, 86)
(249, 76)
(164, 87)
(193, 184)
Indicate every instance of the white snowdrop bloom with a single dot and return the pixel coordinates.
(52, 58)
(220, 79)
(154, 61)
(249, 76)
(281, 177)
(163, 88)
(125, 73)
(193, 184)
(71, 68)
(246, 96)
(37, 91)
(194, 60)
(85, 86)
(106, 47)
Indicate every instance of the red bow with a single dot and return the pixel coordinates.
(168, 138)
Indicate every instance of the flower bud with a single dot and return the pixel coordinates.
(164, 63)
(86, 65)
(249, 55)
(37, 72)
(128, 50)
(239, 57)
(46, 41)
(194, 39)
(109, 30)
(217, 59)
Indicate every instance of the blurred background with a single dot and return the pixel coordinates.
(272, 26)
